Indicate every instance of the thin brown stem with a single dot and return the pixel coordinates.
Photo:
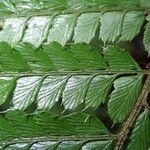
(123, 135)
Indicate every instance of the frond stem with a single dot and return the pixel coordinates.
(123, 135)
(81, 72)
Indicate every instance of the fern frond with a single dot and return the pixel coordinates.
(54, 57)
(17, 125)
(140, 135)
(48, 64)
(74, 145)
(77, 27)
(74, 89)
(27, 7)
(123, 98)
(146, 39)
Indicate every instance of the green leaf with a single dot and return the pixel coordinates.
(6, 88)
(51, 91)
(37, 30)
(54, 4)
(119, 59)
(75, 91)
(132, 23)
(84, 124)
(147, 38)
(48, 26)
(99, 145)
(78, 89)
(26, 92)
(86, 28)
(74, 124)
(140, 135)
(37, 146)
(61, 58)
(54, 57)
(53, 125)
(12, 30)
(35, 6)
(78, 4)
(106, 3)
(70, 146)
(7, 130)
(23, 146)
(62, 28)
(25, 125)
(145, 3)
(37, 59)
(87, 57)
(37, 73)
(46, 145)
(116, 3)
(122, 99)
(66, 145)
(6, 7)
(11, 60)
(50, 146)
(111, 25)
(25, 5)
(98, 91)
